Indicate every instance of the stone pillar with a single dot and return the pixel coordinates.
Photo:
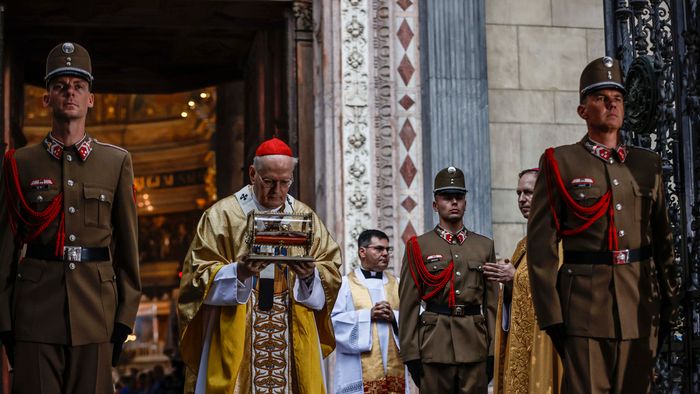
(455, 103)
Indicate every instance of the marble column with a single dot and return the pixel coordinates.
(455, 103)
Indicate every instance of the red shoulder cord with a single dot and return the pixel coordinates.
(421, 275)
(588, 214)
(35, 222)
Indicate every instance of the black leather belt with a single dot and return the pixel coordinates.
(70, 253)
(608, 257)
(457, 310)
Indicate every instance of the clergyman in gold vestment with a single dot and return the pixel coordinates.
(526, 361)
(229, 343)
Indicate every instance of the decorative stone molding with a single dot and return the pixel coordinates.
(355, 80)
(384, 142)
(303, 15)
(408, 142)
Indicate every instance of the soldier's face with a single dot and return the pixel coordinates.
(603, 110)
(375, 257)
(271, 182)
(450, 206)
(526, 186)
(69, 98)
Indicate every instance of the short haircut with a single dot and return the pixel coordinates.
(366, 237)
(523, 172)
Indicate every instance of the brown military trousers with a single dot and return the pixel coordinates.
(42, 368)
(595, 365)
(466, 378)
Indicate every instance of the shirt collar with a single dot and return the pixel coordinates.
(55, 147)
(603, 152)
(450, 238)
(371, 274)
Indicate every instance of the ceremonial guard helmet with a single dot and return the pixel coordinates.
(602, 73)
(449, 180)
(68, 58)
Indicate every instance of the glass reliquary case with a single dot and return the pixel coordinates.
(280, 237)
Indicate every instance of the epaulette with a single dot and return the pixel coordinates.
(110, 145)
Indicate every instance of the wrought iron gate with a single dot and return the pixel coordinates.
(658, 44)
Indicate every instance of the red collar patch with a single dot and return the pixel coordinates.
(55, 147)
(450, 238)
(604, 153)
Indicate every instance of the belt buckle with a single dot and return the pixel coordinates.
(72, 253)
(458, 310)
(621, 257)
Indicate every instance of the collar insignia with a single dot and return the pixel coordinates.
(604, 153)
(55, 147)
(452, 238)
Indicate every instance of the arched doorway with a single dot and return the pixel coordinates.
(190, 90)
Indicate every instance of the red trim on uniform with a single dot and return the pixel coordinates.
(588, 214)
(35, 222)
(421, 275)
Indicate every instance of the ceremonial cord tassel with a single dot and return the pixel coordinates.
(37, 221)
(421, 275)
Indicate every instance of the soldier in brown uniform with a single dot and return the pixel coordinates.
(605, 200)
(447, 348)
(69, 301)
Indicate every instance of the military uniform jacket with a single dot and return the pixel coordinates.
(438, 338)
(603, 300)
(72, 303)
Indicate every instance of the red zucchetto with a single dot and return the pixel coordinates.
(273, 146)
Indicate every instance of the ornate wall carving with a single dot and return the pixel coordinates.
(384, 128)
(356, 120)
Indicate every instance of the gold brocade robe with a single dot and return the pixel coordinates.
(220, 239)
(526, 361)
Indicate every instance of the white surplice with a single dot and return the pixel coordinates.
(353, 334)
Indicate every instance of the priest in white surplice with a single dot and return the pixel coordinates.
(365, 319)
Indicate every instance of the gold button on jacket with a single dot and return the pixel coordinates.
(603, 300)
(436, 338)
(73, 303)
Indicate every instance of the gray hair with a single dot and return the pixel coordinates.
(257, 161)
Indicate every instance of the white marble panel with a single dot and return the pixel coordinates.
(577, 13)
(502, 56)
(521, 106)
(519, 12)
(505, 154)
(551, 58)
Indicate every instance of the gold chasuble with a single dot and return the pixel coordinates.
(253, 351)
(526, 361)
(374, 379)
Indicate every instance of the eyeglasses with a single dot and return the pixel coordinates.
(381, 249)
(270, 183)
